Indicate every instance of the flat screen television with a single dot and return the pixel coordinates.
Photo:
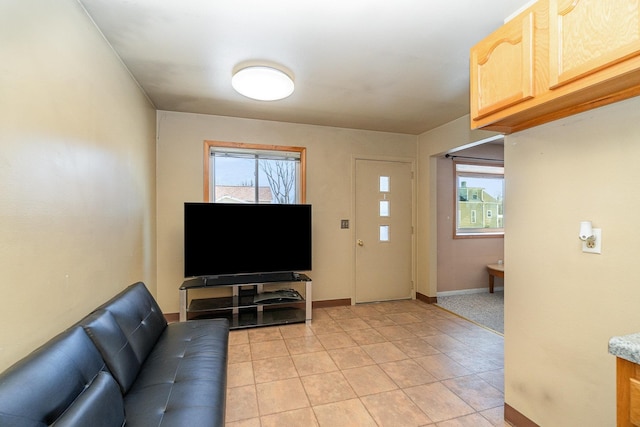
(230, 239)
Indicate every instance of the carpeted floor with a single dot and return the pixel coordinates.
(483, 308)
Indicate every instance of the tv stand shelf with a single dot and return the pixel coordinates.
(240, 308)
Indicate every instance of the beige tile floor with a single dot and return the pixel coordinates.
(400, 363)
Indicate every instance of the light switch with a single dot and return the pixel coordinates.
(344, 223)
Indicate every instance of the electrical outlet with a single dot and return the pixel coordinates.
(594, 246)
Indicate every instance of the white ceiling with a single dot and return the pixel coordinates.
(386, 65)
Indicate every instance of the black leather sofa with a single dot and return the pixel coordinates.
(122, 365)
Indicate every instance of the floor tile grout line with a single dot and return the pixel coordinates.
(315, 333)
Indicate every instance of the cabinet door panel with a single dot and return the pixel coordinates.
(634, 401)
(502, 68)
(589, 35)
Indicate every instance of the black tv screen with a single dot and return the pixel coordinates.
(230, 238)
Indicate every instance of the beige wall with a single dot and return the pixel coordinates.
(462, 262)
(77, 164)
(563, 305)
(330, 156)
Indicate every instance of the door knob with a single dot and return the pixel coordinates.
(360, 242)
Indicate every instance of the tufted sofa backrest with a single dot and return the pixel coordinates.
(125, 330)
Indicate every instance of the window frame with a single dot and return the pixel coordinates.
(475, 233)
(208, 145)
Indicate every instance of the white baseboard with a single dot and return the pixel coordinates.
(468, 291)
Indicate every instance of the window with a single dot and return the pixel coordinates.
(479, 198)
(252, 173)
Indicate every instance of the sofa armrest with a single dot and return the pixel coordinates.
(52, 381)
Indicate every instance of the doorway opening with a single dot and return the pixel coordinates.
(462, 275)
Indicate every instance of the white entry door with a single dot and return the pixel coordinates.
(383, 230)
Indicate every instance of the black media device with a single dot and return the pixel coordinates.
(230, 239)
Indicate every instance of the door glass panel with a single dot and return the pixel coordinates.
(384, 208)
(384, 233)
(384, 184)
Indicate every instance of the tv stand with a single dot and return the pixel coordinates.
(244, 307)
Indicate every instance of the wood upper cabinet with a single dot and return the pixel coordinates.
(502, 68)
(555, 59)
(589, 35)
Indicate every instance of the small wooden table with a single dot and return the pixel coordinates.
(495, 270)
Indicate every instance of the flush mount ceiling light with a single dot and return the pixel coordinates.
(262, 83)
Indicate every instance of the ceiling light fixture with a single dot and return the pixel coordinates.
(262, 83)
